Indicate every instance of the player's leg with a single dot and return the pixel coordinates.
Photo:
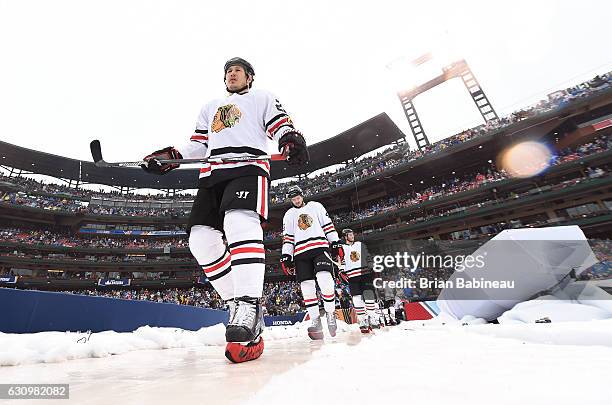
(355, 285)
(304, 272)
(245, 204)
(206, 244)
(323, 270)
(245, 242)
(369, 296)
(391, 311)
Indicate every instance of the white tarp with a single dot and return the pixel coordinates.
(534, 259)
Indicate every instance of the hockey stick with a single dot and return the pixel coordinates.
(96, 154)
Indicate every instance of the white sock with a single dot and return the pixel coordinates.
(309, 292)
(326, 285)
(245, 242)
(206, 245)
(359, 307)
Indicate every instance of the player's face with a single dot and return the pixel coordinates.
(297, 201)
(350, 237)
(236, 78)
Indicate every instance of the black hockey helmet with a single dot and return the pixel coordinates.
(248, 68)
(294, 191)
(346, 231)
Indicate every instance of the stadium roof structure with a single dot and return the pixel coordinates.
(374, 133)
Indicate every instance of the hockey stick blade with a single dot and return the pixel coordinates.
(96, 152)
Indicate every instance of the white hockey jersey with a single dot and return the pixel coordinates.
(307, 228)
(355, 259)
(239, 125)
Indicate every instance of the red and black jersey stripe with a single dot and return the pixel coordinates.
(310, 243)
(328, 228)
(276, 123)
(201, 136)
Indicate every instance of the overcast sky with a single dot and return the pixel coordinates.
(135, 74)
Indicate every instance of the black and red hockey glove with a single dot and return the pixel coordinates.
(294, 145)
(337, 251)
(153, 165)
(287, 265)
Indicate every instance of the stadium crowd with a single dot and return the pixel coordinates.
(445, 187)
(281, 298)
(35, 236)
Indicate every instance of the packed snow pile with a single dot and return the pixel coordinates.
(55, 347)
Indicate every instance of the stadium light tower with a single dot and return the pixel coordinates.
(457, 68)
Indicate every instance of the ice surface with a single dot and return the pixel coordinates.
(458, 362)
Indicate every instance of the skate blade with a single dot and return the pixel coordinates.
(315, 335)
(239, 353)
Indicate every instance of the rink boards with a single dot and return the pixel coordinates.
(27, 311)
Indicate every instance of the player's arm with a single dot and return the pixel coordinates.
(330, 232)
(195, 148)
(279, 127)
(288, 247)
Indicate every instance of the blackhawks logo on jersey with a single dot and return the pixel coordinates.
(304, 221)
(354, 256)
(226, 117)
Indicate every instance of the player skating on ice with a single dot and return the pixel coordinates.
(361, 281)
(232, 198)
(308, 235)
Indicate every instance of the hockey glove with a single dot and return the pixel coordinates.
(153, 165)
(337, 251)
(287, 265)
(343, 276)
(294, 145)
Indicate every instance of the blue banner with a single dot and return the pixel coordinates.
(131, 233)
(8, 279)
(284, 320)
(114, 282)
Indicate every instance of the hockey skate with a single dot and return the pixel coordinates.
(332, 326)
(315, 331)
(364, 325)
(243, 331)
(231, 304)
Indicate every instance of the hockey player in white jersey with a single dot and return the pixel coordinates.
(308, 235)
(360, 276)
(233, 199)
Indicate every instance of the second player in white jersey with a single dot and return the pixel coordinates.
(308, 234)
(307, 228)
